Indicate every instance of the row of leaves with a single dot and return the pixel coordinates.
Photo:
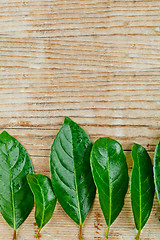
(77, 169)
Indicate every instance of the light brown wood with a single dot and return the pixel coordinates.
(97, 62)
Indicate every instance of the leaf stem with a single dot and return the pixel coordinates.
(106, 235)
(80, 232)
(138, 235)
(38, 233)
(14, 234)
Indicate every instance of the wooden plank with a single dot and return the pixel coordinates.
(95, 61)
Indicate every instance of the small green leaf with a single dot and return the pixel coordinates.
(157, 170)
(70, 171)
(110, 173)
(142, 186)
(45, 200)
(16, 198)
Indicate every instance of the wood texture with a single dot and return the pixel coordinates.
(97, 62)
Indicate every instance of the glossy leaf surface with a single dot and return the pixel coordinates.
(70, 170)
(157, 170)
(16, 198)
(142, 186)
(110, 173)
(44, 197)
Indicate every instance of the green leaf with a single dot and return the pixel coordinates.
(142, 186)
(110, 173)
(157, 170)
(16, 198)
(70, 170)
(45, 200)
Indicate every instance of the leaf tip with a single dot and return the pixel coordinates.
(29, 176)
(135, 144)
(138, 147)
(66, 119)
(158, 142)
(4, 134)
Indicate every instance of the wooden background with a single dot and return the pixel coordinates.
(95, 61)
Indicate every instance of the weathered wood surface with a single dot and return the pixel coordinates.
(97, 62)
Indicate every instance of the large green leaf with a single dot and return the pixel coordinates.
(45, 200)
(70, 170)
(110, 173)
(16, 198)
(142, 186)
(157, 170)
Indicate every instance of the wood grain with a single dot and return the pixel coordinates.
(95, 61)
